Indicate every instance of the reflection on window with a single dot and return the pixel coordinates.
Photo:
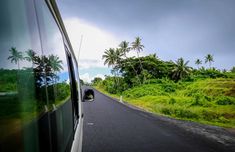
(54, 57)
(34, 78)
(20, 102)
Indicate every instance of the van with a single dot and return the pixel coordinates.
(40, 92)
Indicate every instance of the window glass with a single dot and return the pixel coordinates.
(57, 79)
(22, 97)
(56, 70)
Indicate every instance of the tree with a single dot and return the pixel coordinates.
(112, 58)
(209, 58)
(55, 63)
(16, 56)
(233, 69)
(138, 47)
(198, 62)
(96, 81)
(109, 57)
(30, 54)
(181, 69)
(124, 48)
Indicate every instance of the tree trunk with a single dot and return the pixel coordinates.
(134, 70)
(141, 67)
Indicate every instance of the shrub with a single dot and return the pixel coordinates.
(223, 100)
(209, 73)
(180, 113)
(172, 101)
(169, 89)
(210, 115)
(198, 101)
(183, 113)
(166, 111)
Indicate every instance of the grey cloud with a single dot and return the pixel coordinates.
(170, 28)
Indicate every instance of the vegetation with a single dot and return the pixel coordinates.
(25, 91)
(171, 88)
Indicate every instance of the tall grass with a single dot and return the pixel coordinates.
(209, 101)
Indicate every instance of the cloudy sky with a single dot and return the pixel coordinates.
(170, 28)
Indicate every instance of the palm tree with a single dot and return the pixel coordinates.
(55, 64)
(112, 58)
(124, 48)
(209, 58)
(198, 62)
(16, 56)
(181, 69)
(138, 47)
(30, 56)
(109, 57)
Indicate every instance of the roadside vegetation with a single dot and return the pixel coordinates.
(26, 99)
(174, 89)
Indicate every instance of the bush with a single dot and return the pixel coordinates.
(172, 101)
(210, 115)
(169, 89)
(209, 73)
(223, 100)
(179, 112)
(183, 113)
(114, 85)
(198, 101)
(166, 111)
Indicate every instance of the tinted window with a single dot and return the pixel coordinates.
(21, 95)
(57, 79)
(35, 106)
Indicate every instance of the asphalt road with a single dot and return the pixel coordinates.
(110, 126)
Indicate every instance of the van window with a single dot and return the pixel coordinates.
(22, 95)
(57, 79)
(36, 111)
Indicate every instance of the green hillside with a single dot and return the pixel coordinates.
(209, 101)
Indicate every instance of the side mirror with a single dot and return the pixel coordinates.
(89, 95)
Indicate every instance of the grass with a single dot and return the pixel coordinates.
(208, 101)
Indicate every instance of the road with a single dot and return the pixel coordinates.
(110, 126)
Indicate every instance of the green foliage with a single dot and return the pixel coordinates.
(153, 68)
(209, 59)
(233, 70)
(173, 89)
(145, 90)
(172, 101)
(8, 80)
(209, 73)
(179, 112)
(224, 100)
(63, 90)
(210, 115)
(113, 85)
(96, 81)
(208, 100)
(180, 70)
